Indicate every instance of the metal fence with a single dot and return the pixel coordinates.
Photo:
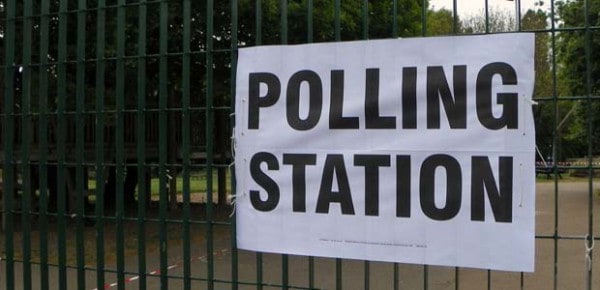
(116, 117)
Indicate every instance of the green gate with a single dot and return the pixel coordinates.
(116, 123)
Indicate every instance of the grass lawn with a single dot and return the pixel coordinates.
(197, 182)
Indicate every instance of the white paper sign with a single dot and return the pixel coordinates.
(405, 150)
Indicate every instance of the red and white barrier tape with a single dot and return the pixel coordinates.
(173, 266)
(549, 164)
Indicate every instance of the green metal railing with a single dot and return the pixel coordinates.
(101, 94)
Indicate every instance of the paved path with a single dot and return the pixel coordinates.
(571, 256)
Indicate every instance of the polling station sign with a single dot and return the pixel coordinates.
(402, 150)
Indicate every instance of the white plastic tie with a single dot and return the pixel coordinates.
(233, 143)
(588, 251)
(231, 199)
(531, 101)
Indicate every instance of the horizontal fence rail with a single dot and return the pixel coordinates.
(116, 151)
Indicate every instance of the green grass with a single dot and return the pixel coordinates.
(197, 180)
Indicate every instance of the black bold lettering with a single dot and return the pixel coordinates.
(482, 179)
(455, 107)
(315, 98)
(403, 186)
(372, 118)
(509, 101)
(409, 98)
(336, 118)
(255, 101)
(453, 187)
(299, 163)
(334, 165)
(371, 163)
(262, 179)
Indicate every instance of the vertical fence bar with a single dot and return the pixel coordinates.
(365, 36)
(309, 39)
(79, 175)
(455, 31)
(8, 131)
(518, 7)
(487, 17)
(338, 274)
(395, 19)
(258, 32)
(367, 268)
(43, 143)
(259, 271)
(61, 129)
(309, 21)
(283, 6)
(141, 144)
(120, 144)
(26, 68)
(284, 40)
(162, 140)
(424, 33)
(396, 267)
(311, 272)
(365, 19)
(185, 136)
(554, 143)
(209, 142)
(396, 276)
(258, 21)
(590, 130)
(522, 280)
(487, 30)
(456, 278)
(425, 277)
(233, 72)
(99, 138)
(424, 17)
(455, 18)
(337, 31)
(8, 166)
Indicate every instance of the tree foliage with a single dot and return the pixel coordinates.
(441, 22)
(497, 21)
(553, 120)
(354, 24)
(262, 25)
(258, 23)
(578, 54)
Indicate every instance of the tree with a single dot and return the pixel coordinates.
(547, 114)
(441, 22)
(580, 74)
(379, 15)
(497, 21)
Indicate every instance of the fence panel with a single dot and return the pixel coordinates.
(116, 155)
